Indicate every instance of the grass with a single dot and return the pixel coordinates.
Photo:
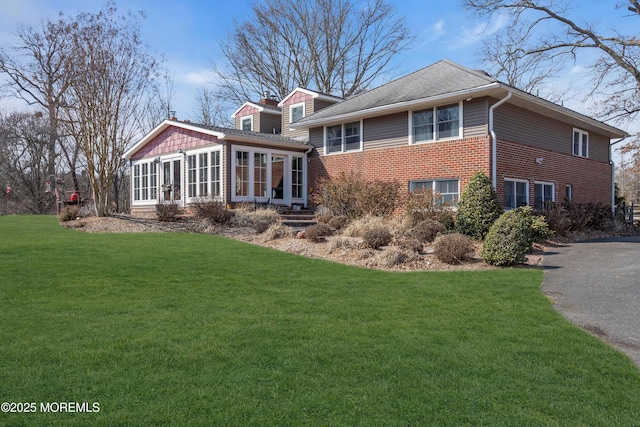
(186, 329)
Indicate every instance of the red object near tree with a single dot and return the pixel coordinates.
(73, 197)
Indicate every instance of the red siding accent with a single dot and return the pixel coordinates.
(297, 98)
(172, 139)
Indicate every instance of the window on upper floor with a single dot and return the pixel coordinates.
(343, 137)
(246, 123)
(445, 190)
(580, 143)
(516, 193)
(296, 112)
(436, 123)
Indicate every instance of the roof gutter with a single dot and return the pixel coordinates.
(494, 140)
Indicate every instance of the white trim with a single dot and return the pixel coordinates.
(287, 155)
(242, 119)
(435, 108)
(312, 94)
(570, 188)
(299, 104)
(582, 134)
(343, 138)
(526, 190)
(544, 183)
(259, 107)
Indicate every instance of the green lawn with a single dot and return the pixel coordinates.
(187, 330)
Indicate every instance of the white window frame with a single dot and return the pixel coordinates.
(544, 184)
(343, 138)
(208, 186)
(288, 162)
(414, 184)
(568, 192)
(242, 119)
(582, 150)
(298, 105)
(526, 192)
(436, 132)
(144, 184)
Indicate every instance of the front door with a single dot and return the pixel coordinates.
(172, 180)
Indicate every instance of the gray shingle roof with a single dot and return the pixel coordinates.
(437, 79)
(231, 132)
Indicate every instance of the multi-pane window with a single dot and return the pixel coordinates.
(191, 176)
(296, 177)
(136, 182)
(436, 123)
(580, 143)
(516, 194)
(215, 174)
(543, 193)
(203, 175)
(344, 137)
(242, 173)
(153, 181)
(296, 112)
(260, 175)
(247, 123)
(446, 190)
(145, 181)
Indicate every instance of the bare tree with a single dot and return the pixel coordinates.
(158, 106)
(337, 47)
(209, 109)
(615, 72)
(113, 72)
(38, 73)
(24, 159)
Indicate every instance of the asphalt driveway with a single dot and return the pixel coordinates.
(597, 286)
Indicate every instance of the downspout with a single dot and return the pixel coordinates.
(494, 140)
(613, 175)
(306, 177)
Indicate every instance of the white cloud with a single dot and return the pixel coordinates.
(481, 30)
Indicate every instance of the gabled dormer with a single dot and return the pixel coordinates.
(301, 103)
(264, 116)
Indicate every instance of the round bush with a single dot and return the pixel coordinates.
(376, 237)
(478, 208)
(338, 222)
(427, 230)
(317, 232)
(509, 239)
(452, 248)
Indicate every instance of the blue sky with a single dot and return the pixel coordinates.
(188, 32)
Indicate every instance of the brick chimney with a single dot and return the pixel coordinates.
(267, 99)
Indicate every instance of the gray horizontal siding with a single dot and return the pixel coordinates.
(386, 131)
(476, 117)
(519, 125)
(316, 138)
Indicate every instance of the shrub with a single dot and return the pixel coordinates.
(338, 222)
(409, 244)
(452, 248)
(445, 218)
(376, 237)
(391, 258)
(260, 219)
(350, 195)
(478, 207)
(276, 231)
(420, 205)
(211, 210)
(426, 231)
(358, 227)
(557, 218)
(317, 232)
(168, 212)
(342, 242)
(68, 213)
(511, 236)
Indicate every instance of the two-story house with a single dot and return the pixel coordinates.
(433, 128)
